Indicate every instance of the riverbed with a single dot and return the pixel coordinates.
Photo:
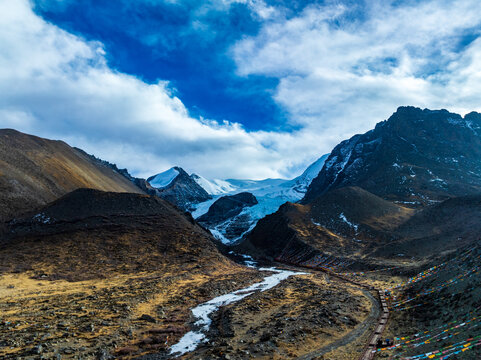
(192, 339)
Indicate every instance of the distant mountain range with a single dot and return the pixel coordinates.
(361, 198)
(197, 194)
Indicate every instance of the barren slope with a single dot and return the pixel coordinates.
(35, 171)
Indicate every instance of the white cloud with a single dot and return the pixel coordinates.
(336, 77)
(340, 75)
(57, 85)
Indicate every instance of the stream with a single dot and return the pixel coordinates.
(192, 339)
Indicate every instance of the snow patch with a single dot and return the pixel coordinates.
(42, 218)
(203, 207)
(408, 202)
(219, 236)
(214, 187)
(463, 123)
(343, 218)
(436, 179)
(439, 180)
(164, 179)
(249, 261)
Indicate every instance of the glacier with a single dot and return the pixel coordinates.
(270, 194)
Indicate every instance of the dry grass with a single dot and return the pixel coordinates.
(87, 317)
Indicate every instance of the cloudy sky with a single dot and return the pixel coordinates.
(229, 88)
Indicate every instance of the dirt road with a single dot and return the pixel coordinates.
(354, 334)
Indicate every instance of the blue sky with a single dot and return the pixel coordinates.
(185, 42)
(229, 88)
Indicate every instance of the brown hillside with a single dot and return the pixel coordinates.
(35, 171)
(447, 226)
(346, 208)
(95, 271)
(344, 222)
(89, 233)
(355, 224)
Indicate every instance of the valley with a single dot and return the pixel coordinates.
(368, 244)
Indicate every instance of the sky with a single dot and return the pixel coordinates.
(229, 88)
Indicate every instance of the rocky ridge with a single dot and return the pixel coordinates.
(415, 157)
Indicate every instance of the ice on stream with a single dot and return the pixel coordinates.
(192, 339)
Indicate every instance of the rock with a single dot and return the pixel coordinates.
(37, 349)
(128, 332)
(68, 351)
(265, 337)
(227, 207)
(125, 350)
(103, 354)
(148, 318)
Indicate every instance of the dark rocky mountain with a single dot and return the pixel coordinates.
(35, 171)
(228, 209)
(179, 188)
(416, 156)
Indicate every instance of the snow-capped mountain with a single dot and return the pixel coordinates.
(213, 187)
(197, 194)
(178, 187)
(301, 183)
(270, 194)
(163, 180)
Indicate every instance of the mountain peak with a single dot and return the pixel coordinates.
(164, 179)
(178, 187)
(416, 156)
